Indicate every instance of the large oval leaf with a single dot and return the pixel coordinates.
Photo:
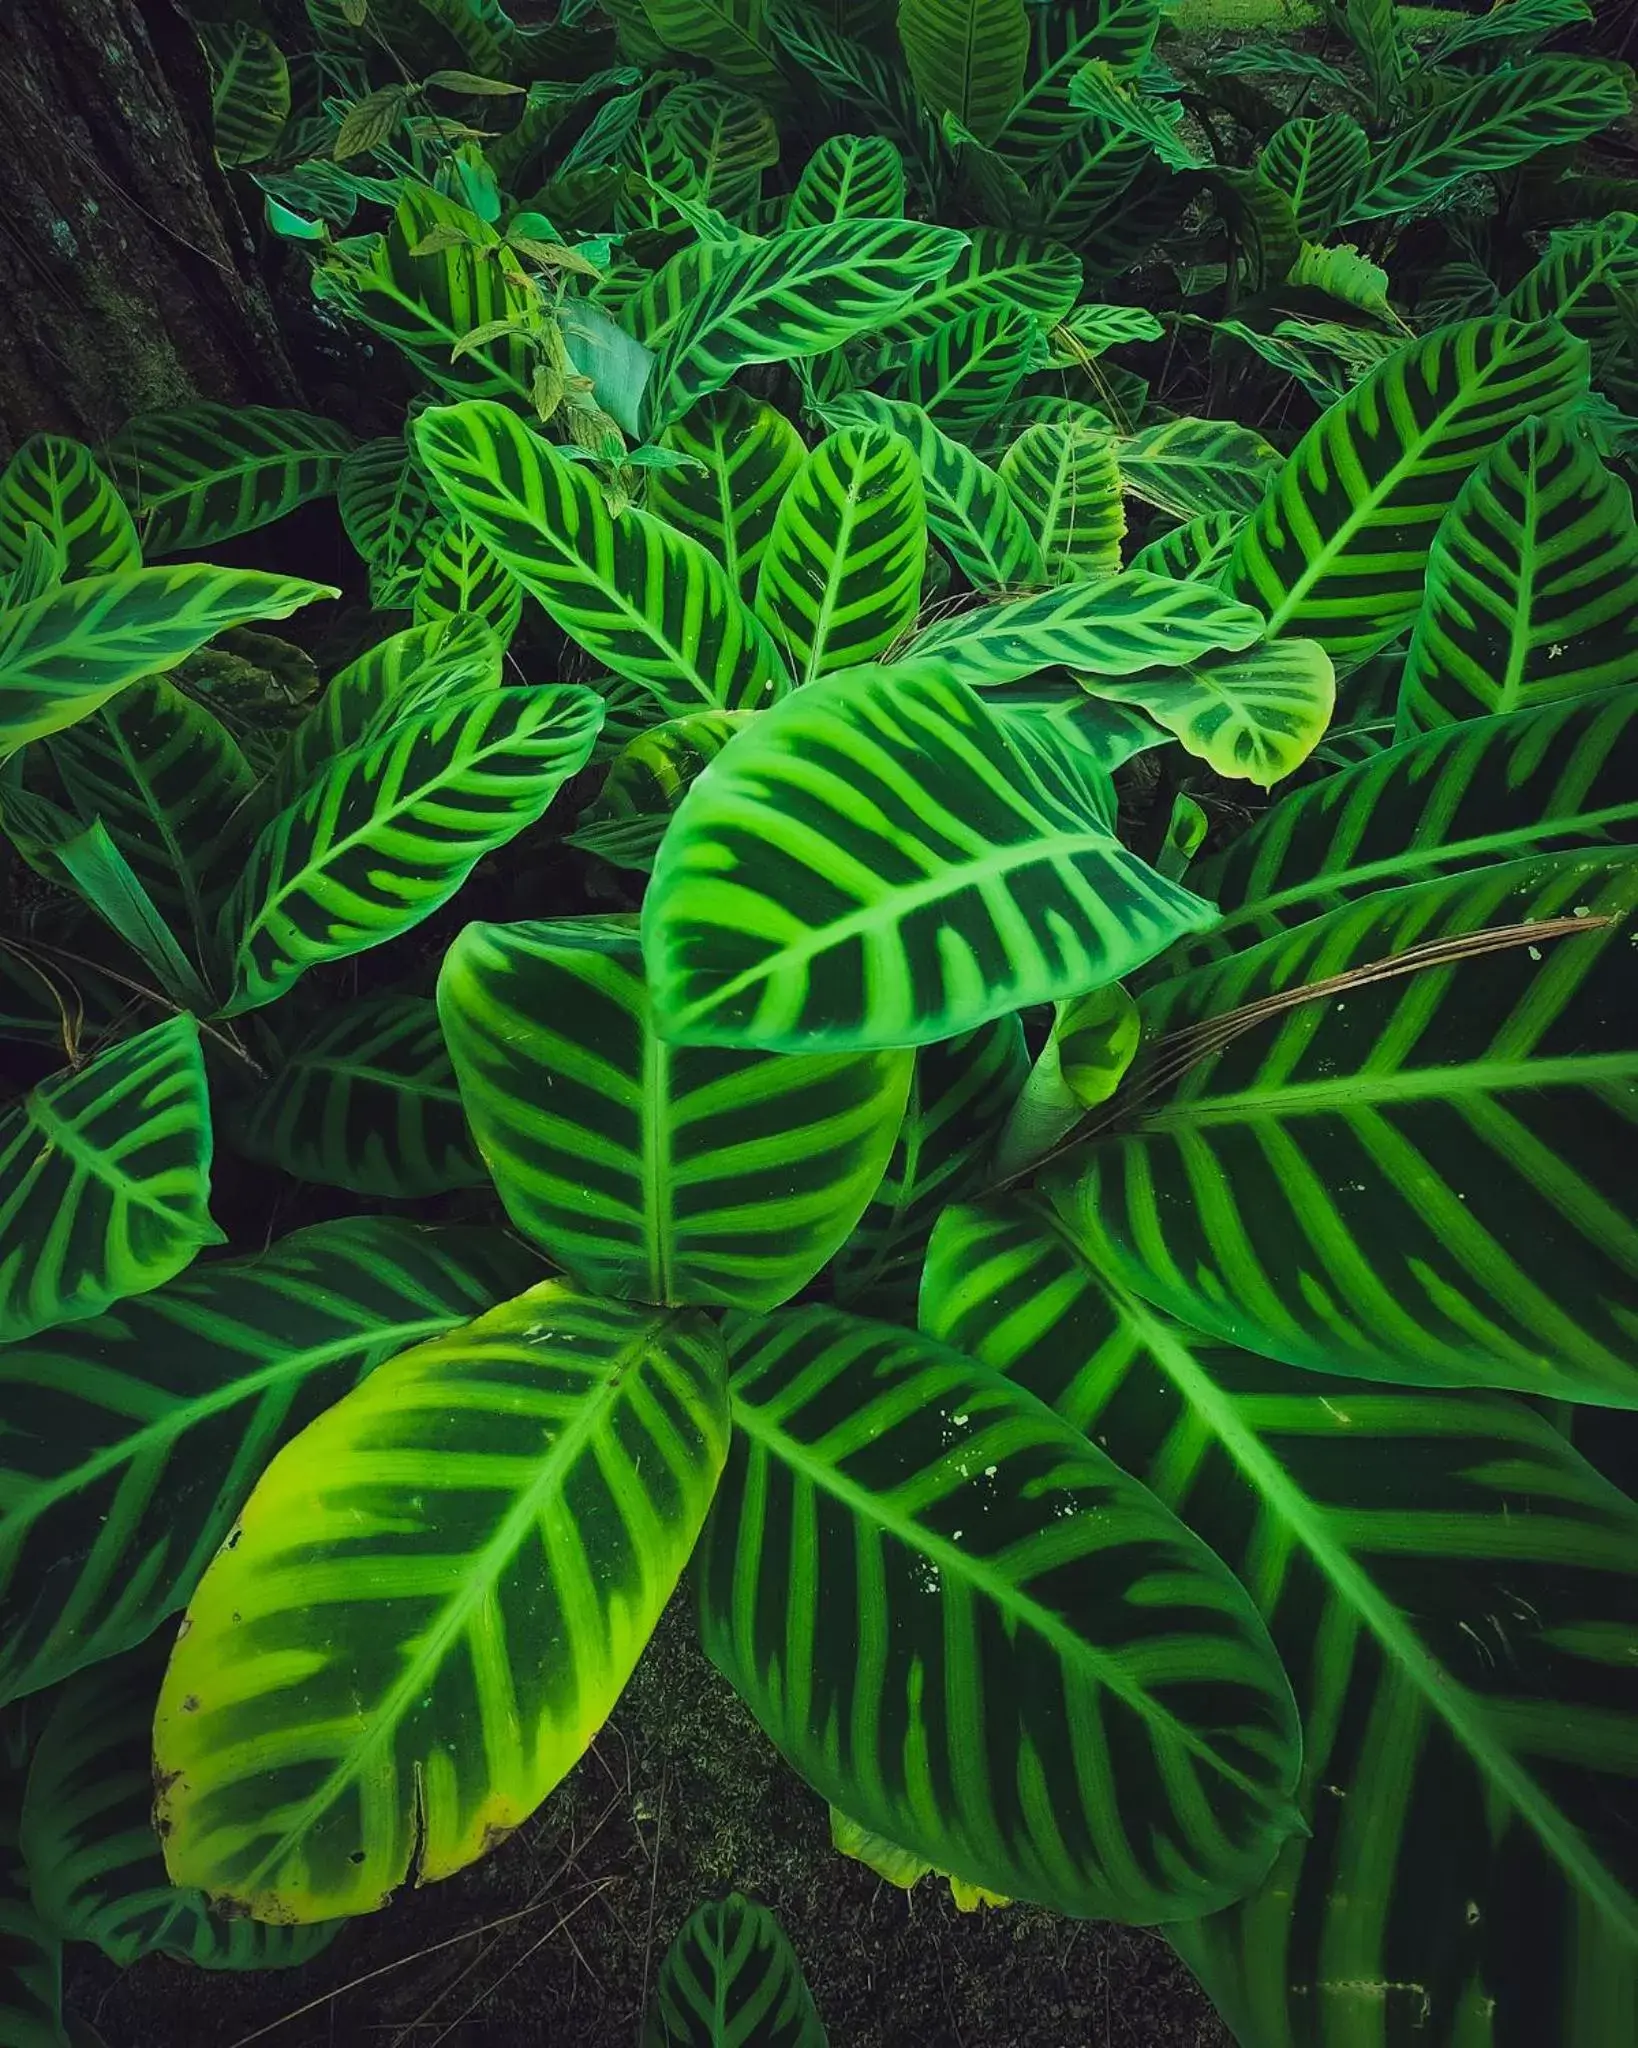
(207, 472)
(741, 458)
(972, 1632)
(666, 1173)
(1455, 1593)
(55, 484)
(1064, 480)
(131, 1440)
(431, 1601)
(849, 177)
(730, 1979)
(967, 58)
(1259, 714)
(875, 862)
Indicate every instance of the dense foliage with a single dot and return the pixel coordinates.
(1044, 604)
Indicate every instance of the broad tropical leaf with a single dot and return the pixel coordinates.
(1587, 281)
(748, 455)
(104, 1180)
(1065, 481)
(654, 1172)
(1316, 162)
(87, 1833)
(64, 654)
(1112, 627)
(1191, 467)
(966, 371)
(1423, 1176)
(391, 829)
(730, 1979)
(731, 35)
(1337, 550)
(132, 1440)
(367, 1102)
(856, 75)
(841, 579)
(1516, 23)
(1062, 38)
(461, 578)
(966, 58)
(1200, 548)
(387, 510)
(1513, 114)
(1532, 584)
(565, 1450)
(645, 783)
(1089, 329)
(31, 1955)
(874, 863)
(906, 1550)
(1113, 102)
(55, 484)
(849, 177)
(994, 268)
(249, 91)
(203, 474)
(1259, 714)
(796, 294)
(710, 145)
(645, 599)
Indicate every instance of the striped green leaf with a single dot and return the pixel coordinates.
(169, 783)
(478, 1629)
(648, 601)
(1337, 550)
(1113, 102)
(1089, 329)
(730, 1979)
(1463, 796)
(387, 511)
(132, 1440)
(1532, 584)
(1199, 549)
(966, 58)
(87, 1834)
(966, 371)
(748, 454)
(731, 35)
(460, 577)
(646, 781)
(874, 863)
(1421, 1177)
(1044, 117)
(1517, 24)
(710, 145)
(249, 91)
(1256, 715)
(368, 1102)
(1316, 161)
(660, 1173)
(66, 653)
(908, 1556)
(392, 828)
(994, 268)
(1453, 1591)
(1065, 481)
(1587, 281)
(1114, 626)
(840, 56)
(1503, 119)
(31, 1956)
(969, 508)
(207, 472)
(849, 177)
(796, 294)
(1190, 467)
(840, 582)
(55, 484)
(104, 1180)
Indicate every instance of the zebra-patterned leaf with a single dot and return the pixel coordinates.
(207, 472)
(169, 783)
(849, 177)
(64, 654)
(1421, 1176)
(969, 508)
(132, 1439)
(966, 58)
(1113, 102)
(31, 1955)
(367, 1102)
(1200, 548)
(843, 62)
(1532, 585)
(249, 91)
(1516, 23)
(105, 1180)
(841, 579)
(388, 513)
(1455, 1646)
(710, 146)
(1189, 467)
(460, 576)
(1111, 627)
(742, 457)
(55, 485)
(994, 268)
(1089, 329)
(731, 35)
(1044, 118)
(479, 1624)
(730, 1979)
(671, 1174)
(875, 862)
(646, 782)
(967, 371)
(1316, 161)
(641, 597)
(796, 294)
(1065, 481)
(87, 1834)
(391, 829)
(1463, 796)
(1513, 114)
(1337, 550)
(1259, 714)
(906, 1551)
(1588, 281)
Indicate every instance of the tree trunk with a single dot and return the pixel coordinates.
(127, 275)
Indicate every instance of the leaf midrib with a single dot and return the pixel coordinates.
(1284, 1099)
